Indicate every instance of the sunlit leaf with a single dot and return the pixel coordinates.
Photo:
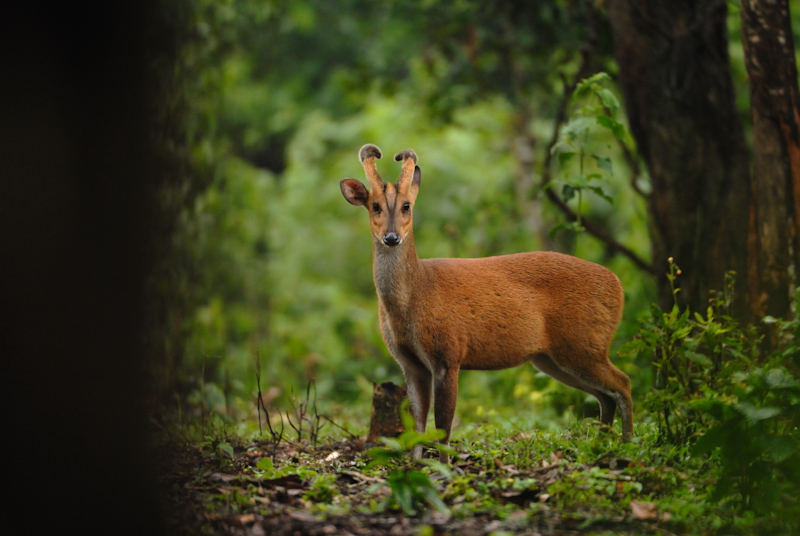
(754, 414)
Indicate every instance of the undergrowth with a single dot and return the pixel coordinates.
(716, 450)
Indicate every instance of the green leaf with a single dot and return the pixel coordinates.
(438, 466)
(392, 443)
(754, 414)
(601, 193)
(780, 379)
(577, 127)
(563, 158)
(779, 448)
(604, 163)
(591, 83)
(433, 498)
(568, 192)
(265, 464)
(401, 491)
(616, 128)
(226, 448)
(700, 359)
(562, 147)
(609, 100)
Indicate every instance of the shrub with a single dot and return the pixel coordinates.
(716, 388)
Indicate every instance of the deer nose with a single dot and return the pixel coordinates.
(391, 239)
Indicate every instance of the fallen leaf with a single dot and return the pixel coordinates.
(644, 510)
(519, 515)
(246, 518)
(303, 516)
(510, 469)
(222, 477)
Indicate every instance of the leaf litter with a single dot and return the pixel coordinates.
(295, 488)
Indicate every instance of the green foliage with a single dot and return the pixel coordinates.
(411, 487)
(273, 99)
(596, 486)
(265, 468)
(718, 390)
(580, 137)
(693, 358)
(323, 489)
(756, 434)
(270, 102)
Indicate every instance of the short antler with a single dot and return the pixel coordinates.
(408, 153)
(367, 155)
(409, 158)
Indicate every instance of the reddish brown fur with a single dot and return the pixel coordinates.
(441, 315)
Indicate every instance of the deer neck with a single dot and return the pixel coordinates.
(397, 272)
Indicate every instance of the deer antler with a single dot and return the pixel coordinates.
(409, 158)
(367, 155)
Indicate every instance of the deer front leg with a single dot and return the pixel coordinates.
(445, 393)
(418, 384)
(417, 375)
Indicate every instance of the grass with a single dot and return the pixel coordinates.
(505, 478)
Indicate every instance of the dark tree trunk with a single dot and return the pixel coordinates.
(775, 108)
(675, 79)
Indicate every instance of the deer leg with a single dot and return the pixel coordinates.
(622, 396)
(418, 385)
(417, 376)
(445, 394)
(608, 404)
(615, 385)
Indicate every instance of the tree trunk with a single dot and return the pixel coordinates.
(675, 79)
(775, 204)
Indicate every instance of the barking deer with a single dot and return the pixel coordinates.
(439, 316)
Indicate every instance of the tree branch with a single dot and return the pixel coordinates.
(560, 119)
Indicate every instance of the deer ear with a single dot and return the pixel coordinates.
(355, 192)
(415, 181)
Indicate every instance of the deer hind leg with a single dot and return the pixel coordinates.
(609, 385)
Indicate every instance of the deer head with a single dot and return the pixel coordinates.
(389, 205)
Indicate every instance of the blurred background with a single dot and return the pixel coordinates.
(269, 102)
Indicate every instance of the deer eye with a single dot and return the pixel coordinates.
(406, 206)
(376, 208)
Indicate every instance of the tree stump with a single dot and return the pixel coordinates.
(387, 401)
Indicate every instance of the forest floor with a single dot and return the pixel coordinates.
(496, 485)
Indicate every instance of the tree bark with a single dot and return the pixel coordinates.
(674, 73)
(775, 109)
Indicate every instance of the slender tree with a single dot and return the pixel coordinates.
(774, 217)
